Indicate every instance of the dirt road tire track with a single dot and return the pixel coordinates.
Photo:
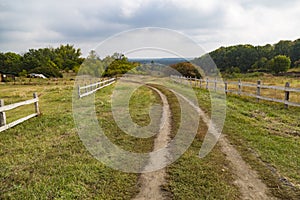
(246, 179)
(151, 183)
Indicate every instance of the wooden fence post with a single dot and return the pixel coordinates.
(226, 87)
(207, 83)
(36, 104)
(215, 84)
(200, 82)
(86, 90)
(287, 94)
(90, 85)
(78, 89)
(2, 114)
(258, 90)
(240, 87)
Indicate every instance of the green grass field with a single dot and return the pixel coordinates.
(44, 158)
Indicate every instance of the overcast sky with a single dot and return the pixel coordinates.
(26, 24)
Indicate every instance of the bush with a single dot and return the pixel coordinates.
(281, 63)
(186, 69)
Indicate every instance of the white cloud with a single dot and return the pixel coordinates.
(31, 23)
(129, 7)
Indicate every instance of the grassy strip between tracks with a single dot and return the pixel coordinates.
(191, 177)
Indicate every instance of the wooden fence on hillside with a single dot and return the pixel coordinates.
(3, 108)
(280, 94)
(93, 87)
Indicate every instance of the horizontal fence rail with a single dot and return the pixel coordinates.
(93, 87)
(218, 85)
(3, 108)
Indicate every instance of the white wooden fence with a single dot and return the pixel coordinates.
(218, 85)
(3, 108)
(93, 87)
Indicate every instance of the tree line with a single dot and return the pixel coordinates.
(51, 62)
(48, 61)
(248, 58)
(111, 65)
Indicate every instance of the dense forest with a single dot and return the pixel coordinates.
(248, 58)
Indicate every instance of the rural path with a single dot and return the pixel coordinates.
(246, 179)
(151, 182)
(251, 187)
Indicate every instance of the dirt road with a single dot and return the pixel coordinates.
(246, 179)
(150, 183)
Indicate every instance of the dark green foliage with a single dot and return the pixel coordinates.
(67, 57)
(120, 65)
(283, 47)
(93, 65)
(295, 52)
(281, 63)
(186, 69)
(10, 63)
(241, 56)
(260, 65)
(110, 66)
(51, 60)
(266, 51)
(253, 58)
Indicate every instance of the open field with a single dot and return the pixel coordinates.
(268, 79)
(282, 89)
(44, 158)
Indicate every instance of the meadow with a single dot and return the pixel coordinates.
(44, 158)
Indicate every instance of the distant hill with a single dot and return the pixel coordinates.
(163, 61)
(248, 58)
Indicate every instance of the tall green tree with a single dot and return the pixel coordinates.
(186, 69)
(120, 65)
(266, 51)
(281, 63)
(241, 56)
(295, 52)
(283, 47)
(38, 58)
(67, 57)
(260, 65)
(10, 63)
(92, 65)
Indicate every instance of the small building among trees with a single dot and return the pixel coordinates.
(5, 77)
